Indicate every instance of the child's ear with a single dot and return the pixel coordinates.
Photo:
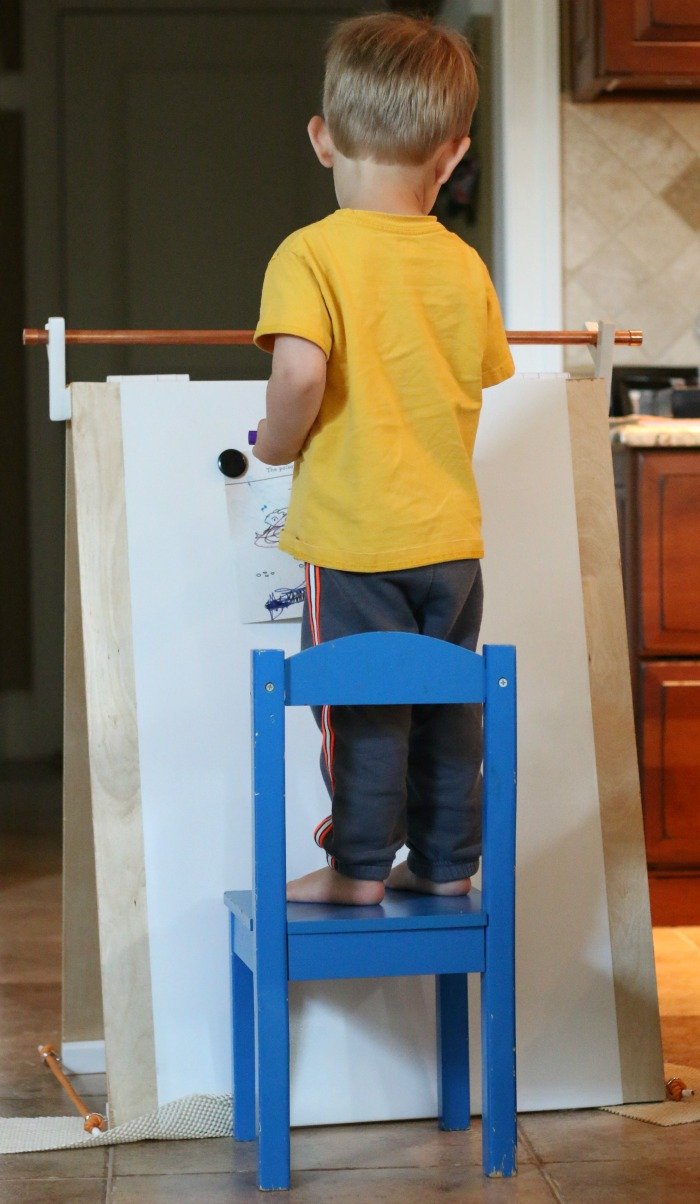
(321, 141)
(449, 156)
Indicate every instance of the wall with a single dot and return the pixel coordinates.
(631, 219)
(527, 204)
(15, 652)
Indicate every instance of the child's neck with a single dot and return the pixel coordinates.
(384, 188)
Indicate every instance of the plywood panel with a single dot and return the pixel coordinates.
(534, 599)
(113, 750)
(191, 682)
(191, 655)
(634, 979)
(81, 997)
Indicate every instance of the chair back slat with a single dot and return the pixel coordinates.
(499, 779)
(382, 667)
(269, 854)
(499, 1090)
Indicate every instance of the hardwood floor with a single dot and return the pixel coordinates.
(572, 1157)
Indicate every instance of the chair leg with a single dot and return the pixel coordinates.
(452, 1006)
(243, 1050)
(272, 1023)
(499, 1120)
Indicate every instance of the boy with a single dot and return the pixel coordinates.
(384, 328)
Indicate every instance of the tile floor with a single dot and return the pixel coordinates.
(573, 1157)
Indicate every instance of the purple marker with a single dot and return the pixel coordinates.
(252, 437)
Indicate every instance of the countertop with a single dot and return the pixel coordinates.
(656, 432)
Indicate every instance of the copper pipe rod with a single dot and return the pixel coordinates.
(32, 338)
(146, 337)
(94, 1122)
(626, 338)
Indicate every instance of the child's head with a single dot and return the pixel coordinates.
(397, 88)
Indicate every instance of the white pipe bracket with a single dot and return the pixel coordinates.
(603, 350)
(59, 394)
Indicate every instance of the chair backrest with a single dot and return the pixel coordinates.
(383, 667)
(379, 668)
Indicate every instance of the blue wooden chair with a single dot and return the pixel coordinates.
(274, 942)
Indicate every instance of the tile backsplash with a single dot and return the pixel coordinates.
(631, 222)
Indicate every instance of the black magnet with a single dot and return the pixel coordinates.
(232, 463)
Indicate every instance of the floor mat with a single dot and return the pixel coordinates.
(193, 1116)
(667, 1112)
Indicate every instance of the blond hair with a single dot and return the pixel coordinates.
(397, 87)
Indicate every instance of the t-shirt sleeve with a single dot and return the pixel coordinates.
(497, 363)
(292, 303)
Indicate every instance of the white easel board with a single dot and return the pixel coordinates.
(190, 657)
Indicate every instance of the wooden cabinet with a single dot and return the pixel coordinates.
(659, 509)
(634, 45)
(670, 748)
(668, 484)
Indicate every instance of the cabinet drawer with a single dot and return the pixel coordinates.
(633, 44)
(670, 762)
(669, 552)
(649, 37)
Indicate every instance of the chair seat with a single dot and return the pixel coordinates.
(400, 909)
(405, 934)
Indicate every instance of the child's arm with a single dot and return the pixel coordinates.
(294, 394)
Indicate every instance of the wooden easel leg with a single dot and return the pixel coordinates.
(634, 980)
(81, 1019)
(115, 787)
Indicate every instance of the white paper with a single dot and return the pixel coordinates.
(270, 583)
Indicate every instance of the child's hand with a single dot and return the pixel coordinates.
(260, 438)
(264, 448)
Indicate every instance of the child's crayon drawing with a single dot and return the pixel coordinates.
(273, 521)
(282, 599)
(270, 583)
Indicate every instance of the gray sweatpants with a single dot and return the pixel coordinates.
(400, 774)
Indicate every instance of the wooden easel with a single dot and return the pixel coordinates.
(104, 781)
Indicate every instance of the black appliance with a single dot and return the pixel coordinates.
(661, 392)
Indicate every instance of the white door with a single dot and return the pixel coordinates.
(166, 157)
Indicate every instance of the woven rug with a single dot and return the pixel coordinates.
(210, 1116)
(193, 1116)
(667, 1112)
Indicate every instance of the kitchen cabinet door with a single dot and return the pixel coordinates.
(634, 45)
(670, 763)
(668, 501)
(650, 36)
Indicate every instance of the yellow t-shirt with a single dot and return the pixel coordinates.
(409, 321)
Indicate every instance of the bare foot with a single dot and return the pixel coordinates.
(328, 886)
(401, 878)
